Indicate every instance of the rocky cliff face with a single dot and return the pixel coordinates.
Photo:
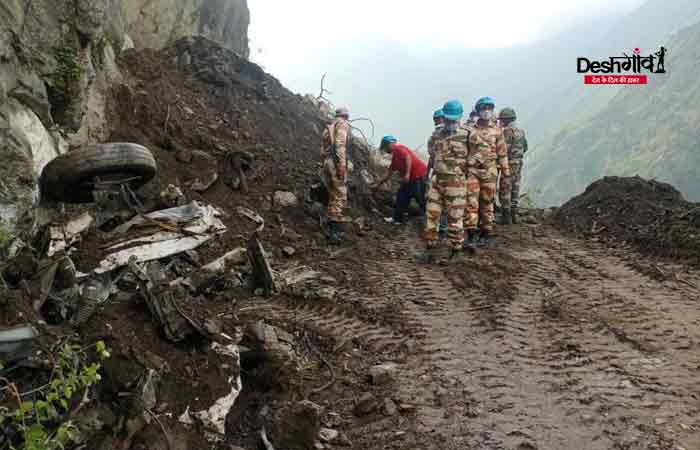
(58, 60)
(154, 23)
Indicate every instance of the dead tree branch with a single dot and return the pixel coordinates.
(323, 91)
(364, 119)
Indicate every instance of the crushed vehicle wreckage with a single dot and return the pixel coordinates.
(147, 257)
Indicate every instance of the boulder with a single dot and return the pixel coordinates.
(366, 404)
(283, 199)
(295, 426)
(328, 435)
(383, 373)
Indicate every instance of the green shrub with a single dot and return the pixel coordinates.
(51, 404)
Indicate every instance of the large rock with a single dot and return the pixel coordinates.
(26, 146)
(295, 426)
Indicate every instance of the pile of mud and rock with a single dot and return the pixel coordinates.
(651, 216)
(170, 286)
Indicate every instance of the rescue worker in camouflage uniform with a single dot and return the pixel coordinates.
(448, 182)
(439, 121)
(473, 116)
(487, 157)
(516, 142)
(334, 171)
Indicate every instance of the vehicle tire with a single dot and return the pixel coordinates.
(70, 177)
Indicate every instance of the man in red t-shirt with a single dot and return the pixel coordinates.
(413, 173)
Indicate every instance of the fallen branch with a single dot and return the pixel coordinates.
(168, 438)
(266, 442)
(325, 362)
(684, 281)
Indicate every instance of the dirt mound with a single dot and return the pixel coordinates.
(647, 214)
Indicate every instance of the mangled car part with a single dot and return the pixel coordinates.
(247, 213)
(221, 268)
(183, 228)
(16, 343)
(162, 300)
(55, 279)
(62, 237)
(95, 291)
(262, 272)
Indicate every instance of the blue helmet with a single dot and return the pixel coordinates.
(483, 101)
(453, 110)
(386, 140)
(438, 114)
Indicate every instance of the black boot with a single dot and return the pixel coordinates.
(339, 226)
(470, 242)
(428, 256)
(514, 215)
(484, 238)
(506, 215)
(334, 236)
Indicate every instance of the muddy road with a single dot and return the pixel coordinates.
(539, 342)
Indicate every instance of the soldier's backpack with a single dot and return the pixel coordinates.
(331, 150)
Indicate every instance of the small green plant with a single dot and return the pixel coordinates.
(51, 403)
(64, 84)
(6, 236)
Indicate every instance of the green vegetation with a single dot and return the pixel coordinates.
(64, 83)
(44, 422)
(6, 236)
(68, 70)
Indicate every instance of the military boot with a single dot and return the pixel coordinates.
(484, 238)
(334, 236)
(428, 255)
(471, 241)
(506, 215)
(340, 227)
(514, 215)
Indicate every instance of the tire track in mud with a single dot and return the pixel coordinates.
(639, 337)
(583, 355)
(334, 321)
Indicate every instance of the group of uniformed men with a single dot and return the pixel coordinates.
(468, 161)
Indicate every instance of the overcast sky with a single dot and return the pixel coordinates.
(283, 34)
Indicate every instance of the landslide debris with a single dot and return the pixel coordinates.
(651, 216)
(209, 117)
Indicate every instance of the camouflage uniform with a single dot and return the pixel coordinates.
(509, 189)
(448, 187)
(487, 154)
(431, 142)
(335, 136)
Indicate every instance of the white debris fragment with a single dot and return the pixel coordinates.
(214, 418)
(185, 417)
(199, 224)
(63, 236)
